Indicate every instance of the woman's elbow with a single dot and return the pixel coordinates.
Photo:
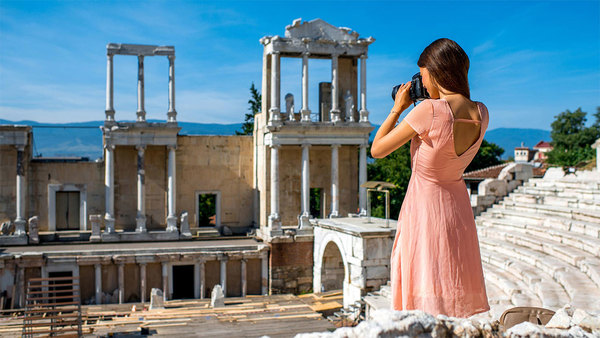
(375, 153)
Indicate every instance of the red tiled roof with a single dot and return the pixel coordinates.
(489, 172)
(543, 144)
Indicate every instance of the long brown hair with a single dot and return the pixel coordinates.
(448, 64)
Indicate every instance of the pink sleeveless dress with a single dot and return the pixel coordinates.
(435, 261)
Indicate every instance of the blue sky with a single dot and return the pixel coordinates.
(530, 60)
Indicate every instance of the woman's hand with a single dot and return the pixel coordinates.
(403, 100)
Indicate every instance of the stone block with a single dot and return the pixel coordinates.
(217, 298)
(157, 299)
(493, 187)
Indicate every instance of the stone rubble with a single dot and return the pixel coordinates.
(567, 322)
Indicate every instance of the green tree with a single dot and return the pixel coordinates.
(255, 104)
(571, 139)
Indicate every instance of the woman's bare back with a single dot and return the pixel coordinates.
(466, 133)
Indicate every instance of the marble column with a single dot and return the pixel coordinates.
(197, 280)
(98, 284)
(335, 188)
(274, 220)
(141, 199)
(305, 192)
(21, 192)
(121, 277)
(223, 260)
(143, 282)
(171, 193)
(362, 178)
(172, 113)
(109, 189)
(110, 110)
(305, 111)
(264, 273)
(202, 279)
(244, 277)
(165, 280)
(274, 112)
(141, 110)
(335, 109)
(364, 113)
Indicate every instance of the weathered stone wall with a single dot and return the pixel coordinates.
(87, 284)
(8, 190)
(90, 174)
(216, 163)
(291, 267)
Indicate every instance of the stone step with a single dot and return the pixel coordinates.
(565, 253)
(578, 241)
(591, 195)
(550, 210)
(555, 222)
(583, 184)
(549, 265)
(520, 294)
(561, 201)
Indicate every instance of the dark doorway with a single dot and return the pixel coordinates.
(207, 210)
(61, 285)
(183, 281)
(67, 210)
(316, 198)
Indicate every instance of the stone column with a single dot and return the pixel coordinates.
(172, 113)
(110, 110)
(20, 219)
(141, 111)
(264, 273)
(244, 277)
(335, 188)
(275, 88)
(202, 279)
(335, 109)
(21, 285)
(364, 113)
(143, 282)
(165, 281)
(109, 189)
(121, 276)
(197, 280)
(171, 194)
(223, 260)
(305, 112)
(362, 178)
(274, 220)
(98, 284)
(141, 201)
(305, 192)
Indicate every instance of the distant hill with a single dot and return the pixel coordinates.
(56, 139)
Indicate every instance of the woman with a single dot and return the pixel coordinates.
(435, 261)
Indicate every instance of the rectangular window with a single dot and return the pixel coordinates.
(207, 210)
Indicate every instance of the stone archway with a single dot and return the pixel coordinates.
(333, 270)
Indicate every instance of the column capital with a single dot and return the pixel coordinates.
(306, 145)
(275, 146)
(20, 147)
(110, 147)
(109, 55)
(335, 145)
(275, 52)
(171, 146)
(364, 56)
(171, 57)
(140, 148)
(306, 53)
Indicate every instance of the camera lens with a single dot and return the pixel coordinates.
(394, 91)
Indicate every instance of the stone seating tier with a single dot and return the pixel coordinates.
(560, 201)
(587, 229)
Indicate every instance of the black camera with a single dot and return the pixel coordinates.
(417, 92)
